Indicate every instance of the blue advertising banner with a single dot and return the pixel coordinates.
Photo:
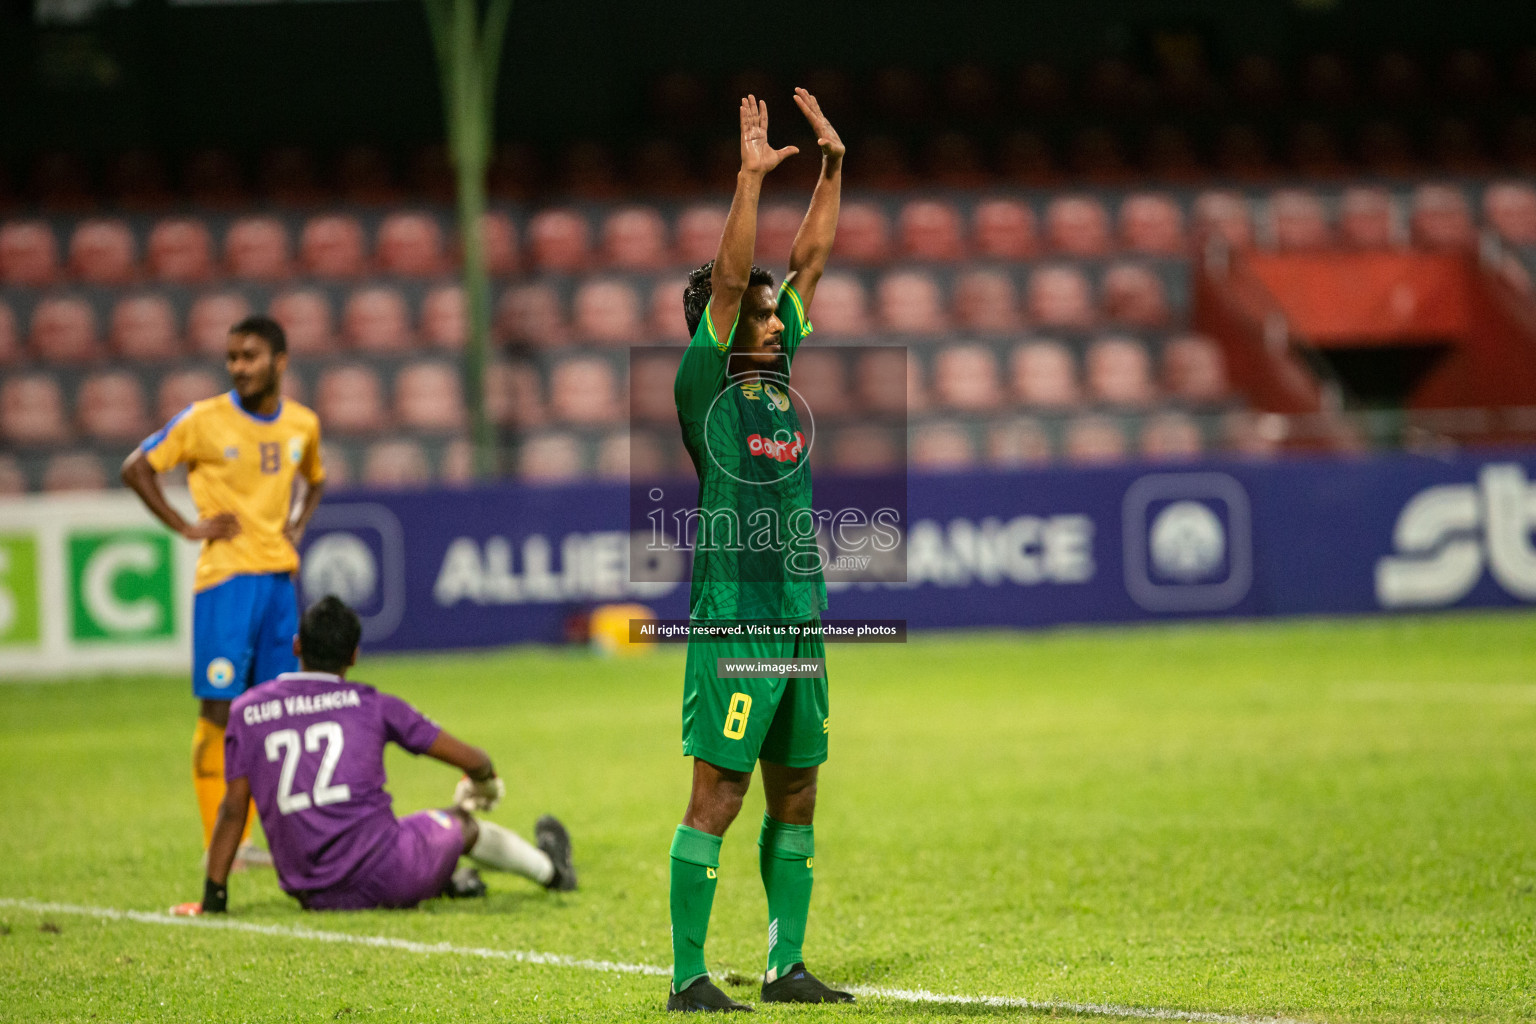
(511, 563)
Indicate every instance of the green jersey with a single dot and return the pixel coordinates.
(755, 556)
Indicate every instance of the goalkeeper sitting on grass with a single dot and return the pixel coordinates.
(309, 747)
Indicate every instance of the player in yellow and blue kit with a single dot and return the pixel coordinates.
(243, 451)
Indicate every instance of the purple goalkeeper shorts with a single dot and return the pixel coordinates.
(426, 849)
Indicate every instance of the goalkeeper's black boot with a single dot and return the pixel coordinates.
(798, 985)
(464, 884)
(703, 997)
(551, 837)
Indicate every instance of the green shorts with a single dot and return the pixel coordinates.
(732, 723)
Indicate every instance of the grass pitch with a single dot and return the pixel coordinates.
(1321, 821)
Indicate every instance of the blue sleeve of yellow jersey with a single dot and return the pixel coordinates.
(173, 443)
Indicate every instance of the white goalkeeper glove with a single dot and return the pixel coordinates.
(472, 796)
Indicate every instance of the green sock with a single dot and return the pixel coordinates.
(785, 855)
(695, 864)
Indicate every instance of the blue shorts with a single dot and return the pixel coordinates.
(242, 634)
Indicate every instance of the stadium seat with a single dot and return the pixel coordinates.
(1002, 229)
(1194, 369)
(258, 249)
(1025, 158)
(863, 234)
(514, 395)
(1467, 75)
(560, 240)
(1045, 375)
(1119, 372)
(611, 459)
(144, 328)
(986, 302)
(953, 160)
(1258, 81)
(103, 252)
(588, 171)
(1077, 226)
(651, 375)
(898, 92)
(1133, 294)
(64, 331)
(965, 378)
(698, 234)
(1170, 435)
(339, 471)
(886, 382)
(29, 254)
(862, 448)
(607, 312)
(777, 225)
(1314, 151)
(13, 481)
(1093, 440)
(942, 445)
(1442, 218)
(1326, 79)
(212, 178)
(1096, 156)
(307, 318)
(931, 230)
(365, 176)
(10, 336)
(181, 389)
(1367, 218)
(500, 237)
(819, 380)
(911, 302)
(1298, 221)
(286, 177)
(1457, 148)
(137, 181)
(211, 317)
(376, 319)
(332, 248)
(1242, 152)
(1223, 215)
(1510, 209)
(350, 400)
(664, 320)
(1059, 296)
(32, 410)
(445, 317)
(1251, 433)
(1395, 78)
(1169, 155)
(293, 387)
(532, 314)
(1152, 223)
(1017, 442)
(550, 458)
(516, 172)
(662, 168)
(74, 471)
(457, 465)
(430, 396)
(584, 390)
(397, 463)
(111, 407)
(1385, 149)
(410, 244)
(635, 238)
(61, 182)
(180, 251)
(841, 307)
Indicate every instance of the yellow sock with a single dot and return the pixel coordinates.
(208, 773)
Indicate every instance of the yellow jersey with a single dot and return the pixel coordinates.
(242, 463)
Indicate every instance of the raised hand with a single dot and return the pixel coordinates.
(826, 136)
(757, 157)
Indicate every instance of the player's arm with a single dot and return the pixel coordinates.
(141, 477)
(221, 848)
(313, 491)
(481, 788)
(813, 242)
(733, 261)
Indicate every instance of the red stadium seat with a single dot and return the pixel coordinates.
(211, 317)
(532, 314)
(111, 407)
(1298, 221)
(13, 480)
(1327, 79)
(332, 248)
(394, 464)
(377, 320)
(457, 465)
(180, 251)
(1510, 209)
(1133, 294)
(986, 302)
(650, 387)
(1395, 78)
(1385, 149)
(953, 160)
(1059, 296)
(293, 388)
(863, 448)
(1194, 369)
(1094, 440)
(1096, 156)
(339, 472)
(1170, 436)
(698, 234)
(514, 395)
(516, 172)
(10, 336)
(1314, 151)
(60, 182)
(965, 378)
(500, 237)
(585, 390)
(445, 317)
(1119, 372)
(430, 396)
(635, 238)
(1457, 148)
(899, 93)
(1017, 442)
(1004, 229)
(1467, 75)
(74, 471)
(144, 327)
(607, 312)
(777, 225)
(665, 321)
(32, 410)
(589, 171)
(661, 167)
(258, 249)
(1246, 432)
(350, 400)
(560, 240)
(307, 319)
(551, 458)
(64, 331)
(179, 390)
(863, 234)
(819, 381)
(1368, 218)
(1077, 225)
(1258, 81)
(29, 254)
(911, 302)
(1223, 215)
(970, 91)
(287, 178)
(411, 245)
(1241, 152)
(1169, 155)
(137, 180)
(887, 382)
(1045, 375)
(942, 445)
(841, 307)
(1152, 222)
(1442, 218)
(931, 230)
(212, 178)
(103, 252)
(366, 177)
(1025, 158)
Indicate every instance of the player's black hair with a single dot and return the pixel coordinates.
(328, 635)
(696, 295)
(265, 328)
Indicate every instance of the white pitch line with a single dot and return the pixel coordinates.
(616, 967)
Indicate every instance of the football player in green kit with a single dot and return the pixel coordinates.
(755, 561)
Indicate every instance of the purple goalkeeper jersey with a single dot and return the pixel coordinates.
(312, 746)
